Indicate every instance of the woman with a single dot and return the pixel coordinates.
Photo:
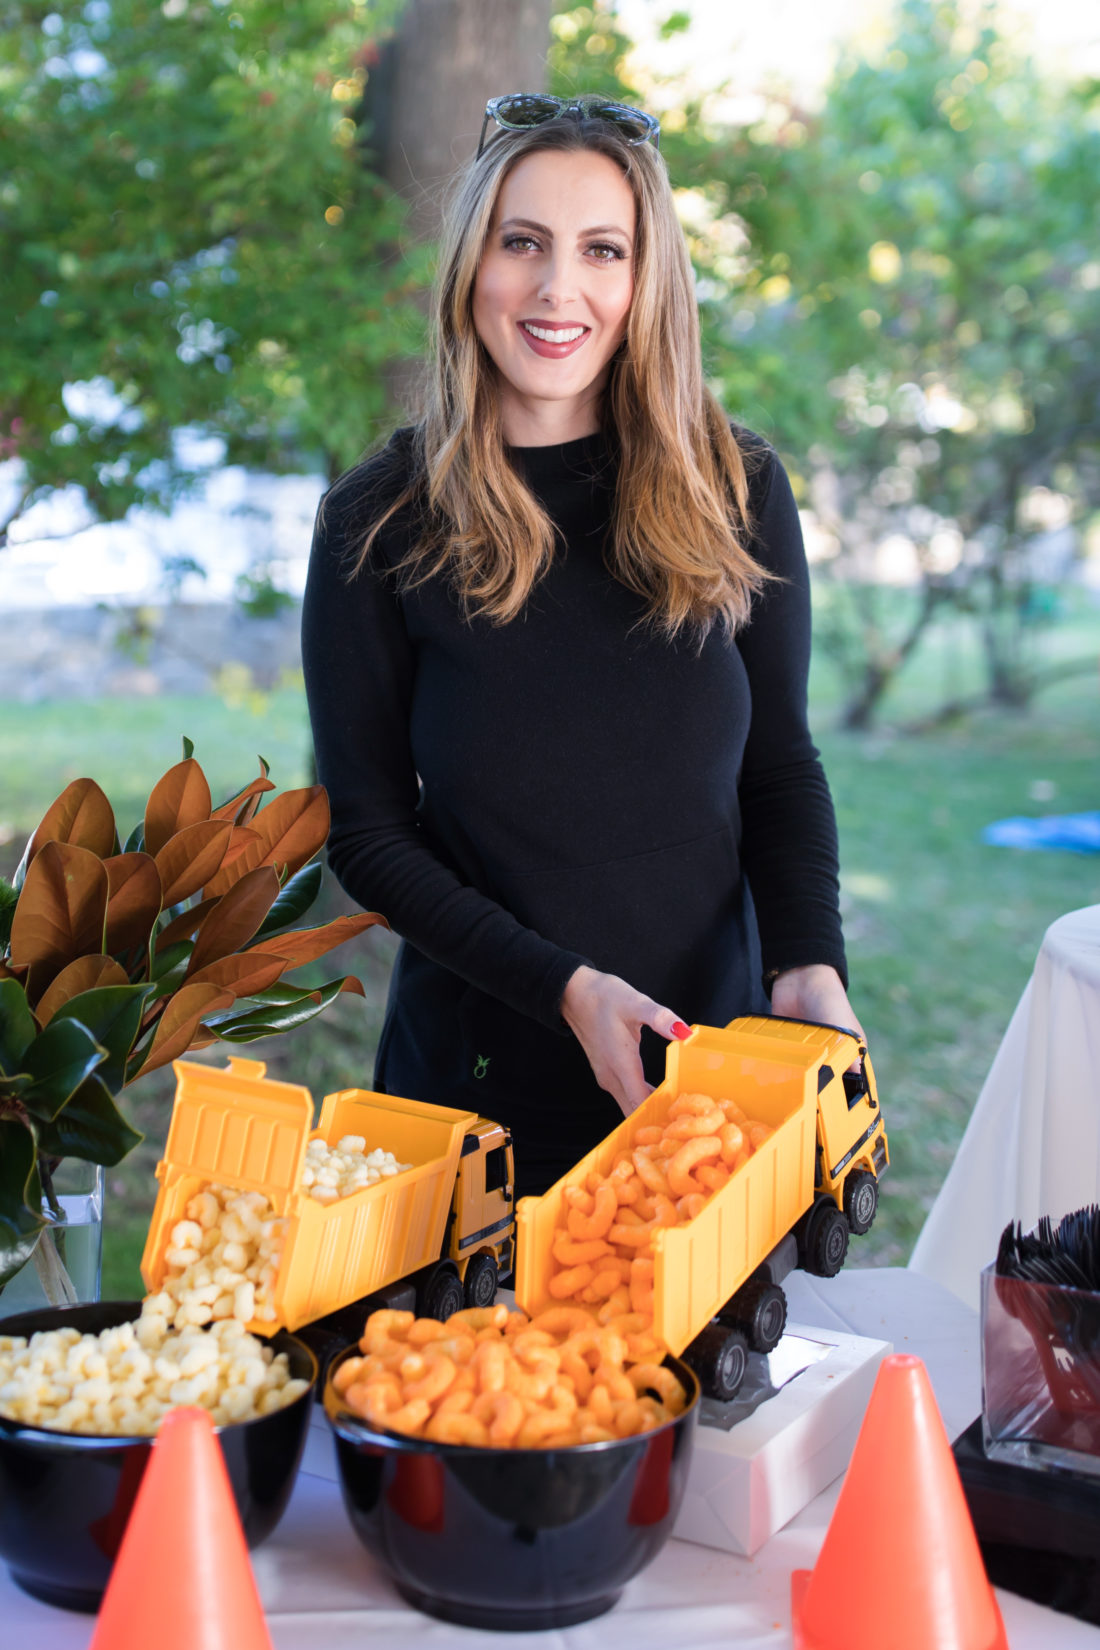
(556, 639)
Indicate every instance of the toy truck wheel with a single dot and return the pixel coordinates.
(479, 1287)
(759, 1309)
(860, 1200)
(826, 1241)
(720, 1357)
(440, 1295)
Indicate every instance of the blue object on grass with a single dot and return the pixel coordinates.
(1079, 833)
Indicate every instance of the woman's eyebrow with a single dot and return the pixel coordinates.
(542, 229)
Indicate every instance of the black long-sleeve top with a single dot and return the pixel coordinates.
(570, 787)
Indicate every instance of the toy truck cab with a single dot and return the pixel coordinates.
(481, 1226)
(851, 1153)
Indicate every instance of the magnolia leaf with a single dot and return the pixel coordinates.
(80, 976)
(242, 975)
(112, 1013)
(81, 815)
(188, 748)
(292, 828)
(8, 899)
(245, 853)
(179, 1023)
(90, 1127)
(170, 958)
(185, 925)
(17, 1027)
(179, 799)
(270, 1018)
(21, 1217)
(191, 858)
(294, 899)
(240, 808)
(61, 911)
(57, 1062)
(236, 917)
(135, 842)
(302, 945)
(133, 901)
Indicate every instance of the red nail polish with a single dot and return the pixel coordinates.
(680, 1030)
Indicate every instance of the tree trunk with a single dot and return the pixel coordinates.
(427, 101)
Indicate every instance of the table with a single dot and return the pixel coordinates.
(1032, 1146)
(319, 1587)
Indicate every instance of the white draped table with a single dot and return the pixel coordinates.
(1032, 1146)
(321, 1589)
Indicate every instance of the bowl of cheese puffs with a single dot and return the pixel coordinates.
(509, 1472)
(82, 1392)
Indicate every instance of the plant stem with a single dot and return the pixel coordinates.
(55, 1280)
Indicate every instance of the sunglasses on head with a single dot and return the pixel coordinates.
(518, 111)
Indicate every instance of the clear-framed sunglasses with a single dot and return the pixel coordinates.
(518, 111)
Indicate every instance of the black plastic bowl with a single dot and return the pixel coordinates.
(510, 1538)
(65, 1497)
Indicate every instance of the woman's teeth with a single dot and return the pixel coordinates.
(554, 335)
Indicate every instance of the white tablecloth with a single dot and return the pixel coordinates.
(320, 1588)
(1032, 1146)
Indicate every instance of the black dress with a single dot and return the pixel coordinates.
(571, 787)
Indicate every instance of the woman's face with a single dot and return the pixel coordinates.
(553, 291)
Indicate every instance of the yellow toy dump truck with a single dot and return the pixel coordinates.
(431, 1238)
(795, 1202)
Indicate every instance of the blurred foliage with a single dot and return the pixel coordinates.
(900, 289)
(190, 237)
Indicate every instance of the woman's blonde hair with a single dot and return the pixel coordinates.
(680, 519)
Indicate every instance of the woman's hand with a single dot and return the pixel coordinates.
(606, 1016)
(815, 993)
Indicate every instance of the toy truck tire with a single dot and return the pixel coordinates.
(860, 1200)
(759, 1310)
(439, 1292)
(825, 1244)
(479, 1286)
(719, 1356)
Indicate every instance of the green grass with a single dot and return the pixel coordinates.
(942, 930)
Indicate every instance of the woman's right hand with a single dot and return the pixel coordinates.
(606, 1016)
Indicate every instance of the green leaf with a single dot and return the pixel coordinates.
(164, 962)
(293, 901)
(18, 1027)
(188, 749)
(90, 1127)
(112, 1014)
(135, 842)
(270, 1017)
(59, 1060)
(8, 899)
(21, 1217)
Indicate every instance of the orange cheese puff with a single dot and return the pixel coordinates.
(574, 1368)
(562, 1320)
(456, 1429)
(758, 1133)
(668, 1147)
(641, 1268)
(665, 1212)
(570, 1281)
(645, 1349)
(733, 1112)
(516, 1322)
(649, 1173)
(662, 1382)
(595, 1225)
(712, 1176)
(733, 1139)
(691, 1205)
(591, 1433)
(687, 1128)
(616, 1305)
(409, 1418)
(593, 1180)
(631, 1418)
(629, 1192)
(630, 1217)
(578, 1198)
(433, 1383)
(507, 1417)
(629, 1323)
(600, 1406)
(623, 1162)
(612, 1377)
(459, 1348)
(427, 1329)
(646, 1206)
(630, 1236)
(569, 1252)
(741, 1159)
(346, 1374)
(649, 1136)
(701, 1150)
(491, 1363)
(384, 1328)
(537, 1429)
(530, 1341)
(456, 1402)
(604, 1285)
(474, 1318)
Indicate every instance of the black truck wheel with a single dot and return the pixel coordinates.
(759, 1310)
(826, 1240)
(719, 1356)
(440, 1294)
(479, 1286)
(860, 1200)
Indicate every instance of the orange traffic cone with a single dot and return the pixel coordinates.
(182, 1579)
(900, 1565)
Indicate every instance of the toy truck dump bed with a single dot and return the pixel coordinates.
(790, 1203)
(237, 1129)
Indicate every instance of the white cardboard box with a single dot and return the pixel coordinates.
(749, 1481)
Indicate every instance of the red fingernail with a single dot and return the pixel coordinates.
(680, 1030)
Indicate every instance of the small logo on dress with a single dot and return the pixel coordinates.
(481, 1064)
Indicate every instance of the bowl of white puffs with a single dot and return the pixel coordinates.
(83, 1390)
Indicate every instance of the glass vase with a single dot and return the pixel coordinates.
(65, 1266)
